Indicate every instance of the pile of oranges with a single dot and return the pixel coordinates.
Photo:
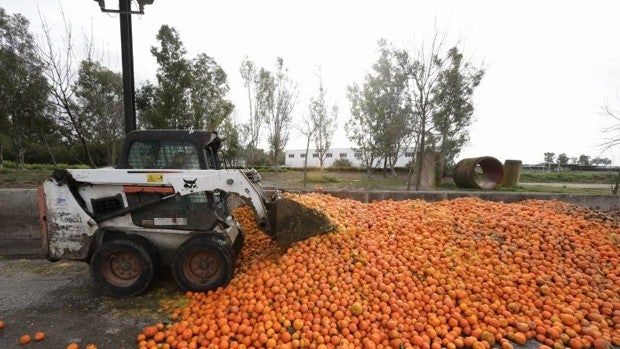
(464, 273)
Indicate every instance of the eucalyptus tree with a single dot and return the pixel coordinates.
(360, 127)
(99, 97)
(231, 147)
(166, 104)
(381, 110)
(188, 93)
(24, 91)
(454, 100)
(209, 90)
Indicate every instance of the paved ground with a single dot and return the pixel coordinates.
(61, 300)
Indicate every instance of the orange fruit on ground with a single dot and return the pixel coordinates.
(159, 337)
(356, 308)
(73, 346)
(25, 339)
(1, 324)
(453, 274)
(149, 331)
(39, 336)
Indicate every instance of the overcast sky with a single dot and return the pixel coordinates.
(550, 65)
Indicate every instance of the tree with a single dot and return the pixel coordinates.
(391, 102)
(324, 123)
(59, 69)
(24, 91)
(454, 106)
(549, 157)
(259, 85)
(584, 160)
(166, 105)
(209, 87)
(562, 160)
(380, 111)
(230, 146)
(99, 97)
(360, 128)
(279, 115)
(189, 93)
(424, 67)
(307, 128)
(600, 161)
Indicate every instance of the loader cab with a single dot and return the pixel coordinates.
(174, 149)
(170, 149)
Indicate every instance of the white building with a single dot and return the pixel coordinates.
(295, 158)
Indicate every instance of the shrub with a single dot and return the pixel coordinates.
(342, 164)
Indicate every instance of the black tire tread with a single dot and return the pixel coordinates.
(104, 250)
(226, 254)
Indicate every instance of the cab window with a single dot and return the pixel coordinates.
(163, 155)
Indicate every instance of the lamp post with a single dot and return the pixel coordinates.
(129, 95)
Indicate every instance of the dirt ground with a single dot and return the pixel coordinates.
(61, 300)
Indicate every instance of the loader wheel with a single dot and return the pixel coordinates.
(202, 264)
(122, 268)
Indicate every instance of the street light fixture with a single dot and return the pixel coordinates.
(141, 4)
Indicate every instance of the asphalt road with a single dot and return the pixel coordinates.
(61, 300)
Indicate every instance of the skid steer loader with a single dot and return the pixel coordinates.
(165, 204)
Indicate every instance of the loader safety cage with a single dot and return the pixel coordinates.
(180, 149)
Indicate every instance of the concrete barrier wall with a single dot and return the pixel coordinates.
(606, 203)
(19, 215)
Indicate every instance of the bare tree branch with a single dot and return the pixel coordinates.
(60, 71)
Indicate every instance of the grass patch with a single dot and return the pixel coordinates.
(321, 178)
(371, 182)
(11, 178)
(568, 177)
(558, 190)
(31, 176)
(533, 189)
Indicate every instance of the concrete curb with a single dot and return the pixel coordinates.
(605, 203)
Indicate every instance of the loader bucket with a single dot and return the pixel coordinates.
(291, 221)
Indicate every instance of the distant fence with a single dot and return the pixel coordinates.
(572, 167)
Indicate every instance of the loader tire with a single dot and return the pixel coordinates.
(122, 267)
(202, 264)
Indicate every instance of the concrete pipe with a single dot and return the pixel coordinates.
(484, 172)
(512, 172)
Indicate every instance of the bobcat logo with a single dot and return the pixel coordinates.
(190, 183)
